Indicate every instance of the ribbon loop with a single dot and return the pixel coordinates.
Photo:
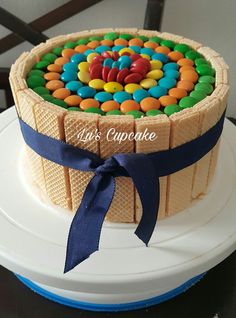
(110, 165)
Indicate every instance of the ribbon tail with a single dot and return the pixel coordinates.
(85, 230)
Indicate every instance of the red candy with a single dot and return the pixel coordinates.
(122, 74)
(106, 55)
(96, 71)
(134, 57)
(105, 72)
(115, 55)
(98, 59)
(112, 74)
(133, 78)
(139, 69)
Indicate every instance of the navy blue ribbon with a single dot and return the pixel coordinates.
(143, 169)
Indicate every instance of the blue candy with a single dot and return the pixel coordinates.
(77, 58)
(108, 62)
(69, 76)
(125, 59)
(170, 66)
(70, 67)
(160, 56)
(124, 65)
(167, 82)
(135, 48)
(172, 73)
(86, 92)
(88, 52)
(117, 48)
(74, 85)
(147, 50)
(157, 91)
(115, 64)
(103, 97)
(140, 94)
(120, 97)
(102, 48)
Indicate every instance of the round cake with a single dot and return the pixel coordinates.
(115, 91)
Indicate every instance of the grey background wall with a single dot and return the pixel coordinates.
(211, 22)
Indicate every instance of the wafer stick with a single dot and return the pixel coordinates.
(127, 30)
(193, 44)
(122, 206)
(160, 125)
(173, 37)
(101, 31)
(207, 52)
(49, 121)
(57, 41)
(149, 33)
(77, 126)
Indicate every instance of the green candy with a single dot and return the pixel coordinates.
(200, 61)
(95, 38)
(154, 112)
(135, 113)
(114, 112)
(205, 87)
(82, 41)
(143, 38)
(49, 57)
(182, 48)
(206, 79)
(168, 43)
(74, 109)
(198, 94)
(35, 81)
(70, 45)
(41, 65)
(111, 36)
(126, 36)
(192, 55)
(205, 69)
(155, 39)
(171, 109)
(59, 102)
(48, 97)
(94, 110)
(187, 102)
(57, 50)
(36, 72)
(41, 90)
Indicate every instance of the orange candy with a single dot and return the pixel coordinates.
(167, 100)
(135, 41)
(189, 75)
(187, 85)
(81, 48)
(88, 103)
(54, 68)
(121, 42)
(93, 44)
(110, 105)
(184, 62)
(61, 61)
(68, 53)
(54, 85)
(151, 45)
(52, 76)
(107, 42)
(175, 56)
(61, 93)
(186, 68)
(149, 103)
(129, 105)
(73, 100)
(177, 92)
(162, 49)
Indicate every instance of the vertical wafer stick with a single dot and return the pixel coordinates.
(122, 206)
(160, 125)
(184, 127)
(50, 121)
(193, 44)
(149, 33)
(75, 123)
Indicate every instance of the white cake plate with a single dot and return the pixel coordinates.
(123, 274)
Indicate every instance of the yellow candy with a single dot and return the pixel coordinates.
(126, 49)
(155, 74)
(131, 88)
(148, 83)
(97, 84)
(110, 52)
(145, 56)
(91, 56)
(155, 65)
(84, 77)
(112, 87)
(84, 66)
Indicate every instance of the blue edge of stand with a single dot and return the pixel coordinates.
(110, 307)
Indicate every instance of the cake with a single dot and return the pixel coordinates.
(83, 87)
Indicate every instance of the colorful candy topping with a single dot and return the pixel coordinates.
(118, 74)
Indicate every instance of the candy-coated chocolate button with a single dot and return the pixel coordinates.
(170, 66)
(147, 51)
(41, 65)
(73, 100)
(126, 50)
(129, 105)
(171, 109)
(131, 88)
(206, 87)
(96, 71)
(35, 81)
(121, 96)
(108, 62)
(155, 65)
(88, 103)
(69, 67)
(185, 61)
(187, 102)
(69, 76)
(122, 75)
(59, 102)
(81, 48)
(136, 41)
(160, 56)
(97, 84)
(61, 93)
(113, 87)
(48, 97)
(148, 83)
(102, 48)
(205, 69)
(94, 110)
(73, 85)
(74, 109)
(135, 113)
(40, 90)
(167, 100)
(192, 55)
(155, 39)
(125, 59)
(54, 68)
(199, 95)
(78, 58)
(95, 38)
(107, 42)
(190, 76)
(177, 92)
(36, 72)
(111, 77)
(120, 41)
(200, 61)
(86, 92)
(82, 41)
(93, 44)
(111, 36)
(91, 56)
(52, 76)
(133, 78)
(155, 74)
(140, 94)
(154, 112)
(181, 47)
(84, 77)
(187, 85)
(172, 74)
(206, 79)
(54, 84)
(175, 56)
(84, 66)
(49, 57)
(61, 61)
(126, 36)
(105, 72)
(103, 97)
(163, 49)
(57, 50)
(135, 48)
(69, 45)
(114, 112)
(149, 103)
(167, 82)
(68, 53)
(157, 91)
(168, 43)
(110, 105)
(186, 68)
